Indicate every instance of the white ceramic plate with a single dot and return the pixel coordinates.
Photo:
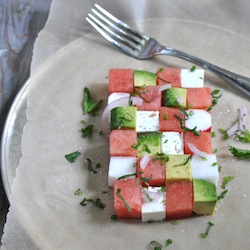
(54, 219)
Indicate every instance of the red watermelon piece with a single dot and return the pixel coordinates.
(131, 195)
(155, 170)
(151, 98)
(121, 142)
(169, 75)
(203, 142)
(199, 98)
(121, 80)
(179, 200)
(168, 121)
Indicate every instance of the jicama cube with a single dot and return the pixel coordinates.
(192, 78)
(121, 80)
(199, 98)
(120, 166)
(179, 200)
(153, 204)
(149, 143)
(172, 143)
(205, 197)
(168, 120)
(122, 142)
(205, 168)
(127, 198)
(199, 119)
(178, 168)
(151, 171)
(203, 142)
(147, 121)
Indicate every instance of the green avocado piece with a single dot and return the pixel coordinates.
(178, 168)
(150, 143)
(123, 118)
(144, 78)
(205, 197)
(174, 97)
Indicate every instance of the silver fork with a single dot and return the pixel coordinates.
(141, 46)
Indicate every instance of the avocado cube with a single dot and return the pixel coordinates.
(174, 97)
(144, 78)
(149, 143)
(205, 197)
(178, 168)
(123, 118)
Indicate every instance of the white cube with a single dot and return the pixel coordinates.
(199, 118)
(172, 143)
(205, 168)
(192, 79)
(147, 121)
(154, 210)
(120, 166)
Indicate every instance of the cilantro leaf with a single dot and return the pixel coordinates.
(72, 156)
(89, 106)
(87, 131)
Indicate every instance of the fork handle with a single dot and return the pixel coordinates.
(238, 81)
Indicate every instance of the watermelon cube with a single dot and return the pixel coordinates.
(122, 142)
(121, 80)
(199, 98)
(172, 143)
(121, 166)
(151, 97)
(203, 142)
(205, 197)
(153, 205)
(153, 173)
(179, 200)
(169, 75)
(178, 168)
(127, 198)
(168, 120)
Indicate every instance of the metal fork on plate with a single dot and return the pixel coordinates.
(141, 46)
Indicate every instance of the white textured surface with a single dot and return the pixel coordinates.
(147, 121)
(172, 143)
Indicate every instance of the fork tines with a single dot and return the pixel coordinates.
(114, 30)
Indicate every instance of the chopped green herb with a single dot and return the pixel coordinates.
(215, 150)
(126, 176)
(98, 203)
(145, 179)
(165, 116)
(89, 106)
(154, 245)
(104, 192)
(123, 200)
(162, 157)
(209, 225)
(72, 156)
(243, 135)
(135, 146)
(90, 168)
(193, 68)
(226, 180)
(219, 168)
(213, 134)
(214, 164)
(98, 165)
(224, 133)
(168, 242)
(163, 188)
(101, 132)
(79, 192)
(240, 153)
(216, 95)
(222, 195)
(87, 131)
(139, 94)
(203, 158)
(175, 222)
(197, 133)
(184, 163)
(113, 217)
(130, 101)
(161, 69)
(146, 148)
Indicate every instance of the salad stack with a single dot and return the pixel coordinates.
(162, 164)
